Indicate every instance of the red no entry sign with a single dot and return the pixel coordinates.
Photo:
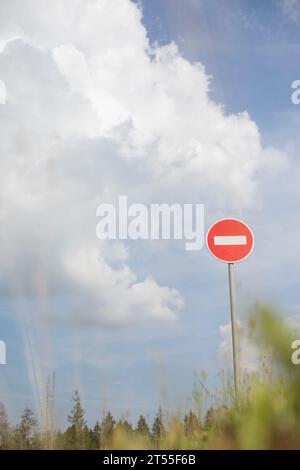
(230, 240)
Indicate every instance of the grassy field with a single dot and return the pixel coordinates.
(265, 415)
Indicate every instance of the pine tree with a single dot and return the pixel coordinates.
(49, 414)
(126, 426)
(60, 440)
(107, 428)
(123, 429)
(142, 430)
(192, 426)
(209, 418)
(95, 437)
(76, 434)
(158, 429)
(26, 437)
(86, 438)
(4, 429)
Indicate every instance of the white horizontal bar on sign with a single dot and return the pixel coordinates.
(231, 240)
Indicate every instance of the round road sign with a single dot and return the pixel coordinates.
(230, 240)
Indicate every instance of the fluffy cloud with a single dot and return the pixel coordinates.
(94, 111)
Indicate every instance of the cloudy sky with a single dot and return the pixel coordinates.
(183, 101)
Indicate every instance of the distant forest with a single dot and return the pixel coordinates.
(108, 433)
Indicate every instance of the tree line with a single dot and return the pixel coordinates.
(28, 435)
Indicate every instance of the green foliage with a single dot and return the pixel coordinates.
(158, 430)
(25, 435)
(95, 437)
(5, 433)
(142, 430)
(77, 433)
(192, 426)
(107, 429)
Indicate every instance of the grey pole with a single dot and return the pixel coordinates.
(234, 328)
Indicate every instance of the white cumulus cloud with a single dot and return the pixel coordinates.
(94, 111)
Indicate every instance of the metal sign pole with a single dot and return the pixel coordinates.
(231, 241)
(234, 328)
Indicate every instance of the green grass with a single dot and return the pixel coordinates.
(265, 415)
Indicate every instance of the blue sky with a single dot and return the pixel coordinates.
(249, 48)
(249, 51)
